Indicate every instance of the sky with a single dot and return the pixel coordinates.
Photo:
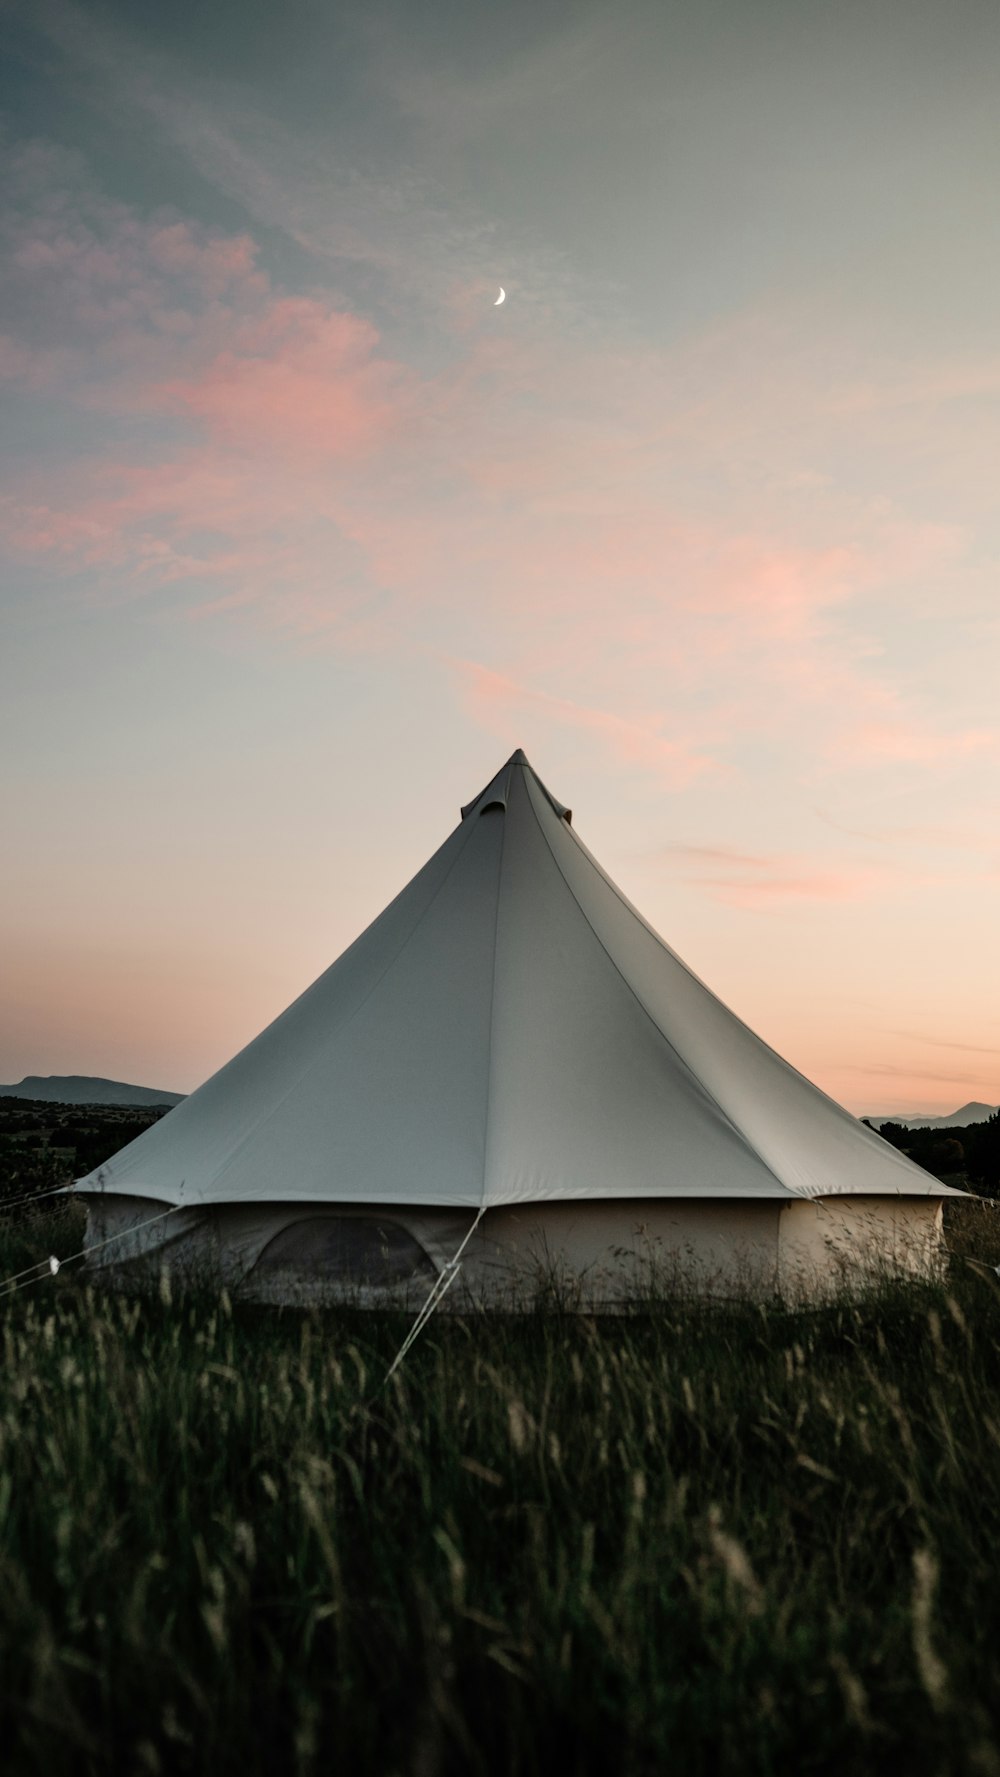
(301, 535)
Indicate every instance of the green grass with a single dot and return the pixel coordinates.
(728, 1540)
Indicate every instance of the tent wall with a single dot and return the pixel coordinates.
(592, 1254)
(848, 1242)
(586, 1255)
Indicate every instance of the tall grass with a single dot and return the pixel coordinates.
(734, 1540)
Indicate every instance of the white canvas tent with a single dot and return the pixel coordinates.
(509, 1041)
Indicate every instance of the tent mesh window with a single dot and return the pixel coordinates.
(358, 1249)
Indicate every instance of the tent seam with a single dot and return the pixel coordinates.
(793, 1196)
(493, 1000)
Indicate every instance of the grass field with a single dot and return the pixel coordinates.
(737, 1540)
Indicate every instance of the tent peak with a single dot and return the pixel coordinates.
(498, 789)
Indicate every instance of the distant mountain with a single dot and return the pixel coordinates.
(83, 1089)
(960, 1119)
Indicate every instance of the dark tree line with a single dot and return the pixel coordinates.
(45, 1145)
(970, 1155)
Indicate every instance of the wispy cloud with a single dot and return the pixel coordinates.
(912, 1036)
(911, 743)
(300, 378)
(497, 702)
(400, 226)
(891, 1071)
(921, 386)
(768, 879)
(916, 835)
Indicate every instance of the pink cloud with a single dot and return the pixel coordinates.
(498, 701)
(718, 854)
(58, 226)
(765, 879)
(815, 885)
(216, 262)
(913, 743)
(299, 376)
(912, 1036)
(924, 385)
(98, 295)
(35, 368)
(903, 1075)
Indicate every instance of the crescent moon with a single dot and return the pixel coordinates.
(501, 298)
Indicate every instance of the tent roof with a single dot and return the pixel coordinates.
(498, 790)
(508, 1030)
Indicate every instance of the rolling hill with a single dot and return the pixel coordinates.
(85, 1089)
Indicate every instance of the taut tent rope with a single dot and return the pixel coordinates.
(442, 1284)
(49, 1266)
